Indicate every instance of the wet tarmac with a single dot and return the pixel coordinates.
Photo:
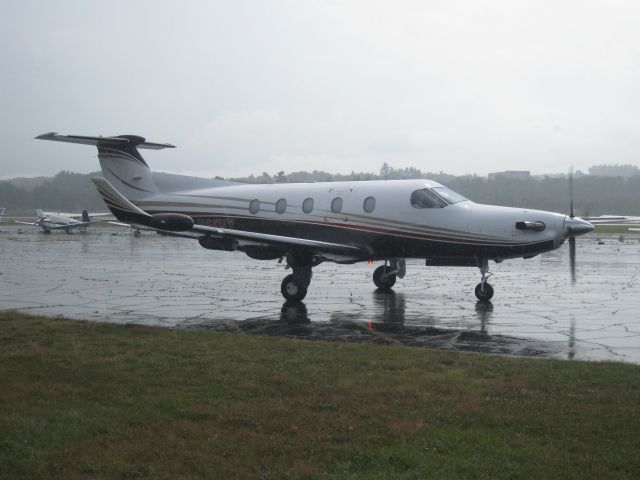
(108, 275)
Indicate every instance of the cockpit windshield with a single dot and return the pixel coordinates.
(449, 195)
(425, 198)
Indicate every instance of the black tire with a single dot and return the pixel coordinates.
(487, 294)
(382, 280)
(291, 290)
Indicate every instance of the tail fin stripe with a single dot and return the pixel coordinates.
(126, 183)
(112, 195)
(107, 152)
(116, 203)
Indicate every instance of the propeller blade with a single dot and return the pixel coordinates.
(572, 258)
(571, 215)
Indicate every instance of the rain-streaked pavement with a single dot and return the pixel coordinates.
(109, 275)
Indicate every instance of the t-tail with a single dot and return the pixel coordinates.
(85, 216)
(122, 165)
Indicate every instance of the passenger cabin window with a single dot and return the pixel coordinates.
(369, 204)
(254, 206)
(281, 206)
(336, 205)
(307, 205)
(425, 198)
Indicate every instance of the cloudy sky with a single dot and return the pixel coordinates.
(246, 86)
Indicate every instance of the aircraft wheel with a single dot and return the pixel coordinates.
(47, 232)
(291, 290)
(484, 295)
(382, 280)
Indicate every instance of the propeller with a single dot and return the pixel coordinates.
(572, 238)
(573, 227)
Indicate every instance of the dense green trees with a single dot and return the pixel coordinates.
(594, 195)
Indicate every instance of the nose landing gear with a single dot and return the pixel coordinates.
(484, 290)
(384, 277)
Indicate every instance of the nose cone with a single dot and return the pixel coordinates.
(574, 227)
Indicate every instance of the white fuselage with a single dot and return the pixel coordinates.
(277, 207)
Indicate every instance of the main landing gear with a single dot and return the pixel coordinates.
(484, 290)
(384, 277)
(294, 287)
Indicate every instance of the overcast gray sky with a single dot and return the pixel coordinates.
(243, 87)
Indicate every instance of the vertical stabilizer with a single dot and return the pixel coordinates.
(121, 162)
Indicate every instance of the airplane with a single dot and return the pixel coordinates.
(343, 222)
(75, 216)
(57, 221)
(3, 213)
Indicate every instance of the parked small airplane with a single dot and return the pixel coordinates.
(3, 213)
(57, 221)
(342, 222)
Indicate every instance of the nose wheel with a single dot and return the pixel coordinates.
(484, 290)
(383, 278)
(484, 293)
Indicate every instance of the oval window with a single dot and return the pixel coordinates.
(254, 206)
(336, 205)
(281, 206)
(307, 205)
(369, 204)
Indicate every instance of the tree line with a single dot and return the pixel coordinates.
(593, 194)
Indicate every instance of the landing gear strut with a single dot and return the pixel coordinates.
(484, 290)
(294, 287)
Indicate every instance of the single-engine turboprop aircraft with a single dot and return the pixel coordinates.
(57, 221)
(342, 222)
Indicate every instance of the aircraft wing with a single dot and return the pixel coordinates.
(279, 240)
(26, 223)
(72, 225)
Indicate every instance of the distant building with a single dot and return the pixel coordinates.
(512, 174)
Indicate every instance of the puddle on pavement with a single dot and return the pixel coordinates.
(108, 275)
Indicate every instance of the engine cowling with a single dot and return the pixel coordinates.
(172, 222)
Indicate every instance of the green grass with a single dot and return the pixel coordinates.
(613, 228)
(89, 400)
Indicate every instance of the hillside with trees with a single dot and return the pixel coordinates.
(594, 194)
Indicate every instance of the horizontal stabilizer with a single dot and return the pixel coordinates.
(115, 199)
(118, 141)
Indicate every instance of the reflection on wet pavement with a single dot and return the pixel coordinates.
(107, 275)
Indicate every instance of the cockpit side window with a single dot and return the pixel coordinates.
(425, 198)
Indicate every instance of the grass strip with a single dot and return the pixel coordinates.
(89, 400)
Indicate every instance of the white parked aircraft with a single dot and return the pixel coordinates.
(343, 222)
(57, 221)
